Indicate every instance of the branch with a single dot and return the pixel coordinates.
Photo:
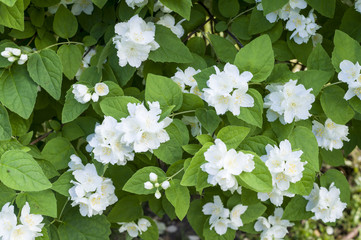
(197, 29)
(41, 137)
(235, 39)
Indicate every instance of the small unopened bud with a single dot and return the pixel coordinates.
(153, 177)
(12, 59)
(95, 97)
(165, 185)
(156, 185)
(15, 51)
(148, 185)
(6, 54)
(157, 194)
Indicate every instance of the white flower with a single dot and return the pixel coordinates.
(148, 185)
(236, 213)
(303, 27)
(326, 204)
(276, 196)
(23, 58)
(143, 224)
(288, 102)
(14, 54)
(101, 89)
(273, 227)
(75, 163)
(158, 5)
(221, 225)
(215, 209)
(300, 4)
(153, 177)
(226, 90)
(330, 135)
(317, 39)
(131, 228)
(138, 3)
(186, 81)
(81, 93)
(196, 127)
(358, 5)
(32, 221)
(8, 221)
(80, 6)
(132, 53)
(165, 185)
(349, 72)
(22, 232)
(142, 128)
(157, 194)
(354, 89)
(85, 62)
(88, 177)
(168, 21)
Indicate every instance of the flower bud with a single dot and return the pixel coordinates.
(148, 185)
(157, 194)
(165, 185)
(153, 177)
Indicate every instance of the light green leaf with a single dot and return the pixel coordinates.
(117, 106)
(319, 60)
(5, 127)
(253, 115)
(305, 185)
(58, 151)
(349, 24)
(171, 47)
(228, 8)
(6, 194)
(71, 59)
(136, 183)
(195, 216)
(17, 91)
(127, 209)
(272, 5)
(296, 209)
(43, 202)
(253, 212)
(72, 108)
(179, 197)
(164, 90)
(45, 69)
(258, 23)
(63, 184)
(335, 106)
(314, 79)
(256, 57)
(19, 171)
(76, 227)
(208, 118)
(65, 24)
(12, 17)
(334, 158)
(99, 3)
(257, 144)
(9, 3)
(325, 7)
(224, 49)
(182, 7)
(232, 136)
(203, 77)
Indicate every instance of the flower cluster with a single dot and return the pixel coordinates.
(83, 94)
(134, 229)
(153, 183)
(222, 166)
(79, 6)
(326, 204)
(288, 102)
(330, 135)
(185, 80)
(91, 192)
(85, 62)
(286, 167)
(273, 227)
(221, 218)
(303, 27)
(350, 74)
(30, 227)
(227, 90)
(114, 142)
(168, 21)
(134, 40)
(196, 127)
(14, 54)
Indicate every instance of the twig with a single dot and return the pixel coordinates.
(353, 233)
(41, 137)
(235, 39)
(196, 30)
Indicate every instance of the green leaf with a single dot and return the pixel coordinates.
(117, 106)
(171, 47)
(71, 59)
(63, 184)
(253, 115)
(314, 79)
(44, 3)
(232, 136)
(72, 108)
(99, 3)
(228, 8)
(45, 69)
(195, 216)
(126, 209)
(164, 90)
(65, 24)
(224, 49)
(335, 176)
(171, 151)
(258, 23)
(212, 235)
(305, 185)
(296, 209)
(272, 5)
(303, 139)
(300, 51)
(257, 144)
(136, 183)
(203, 77)
(182, 7)
(334, 158)
(259, 180)
(346, 48)
(6, 194)
(9, 145)
(239, 27)
(76, 227)
(208, 118)
(191, 173)
(58, 151)
(253, 212)
(152, 231)
(19, 171)
(319, 60)
(179, 197)
(349, 24)
(43, 202)
(325, 7)
(259, 62)
(12, 17)
(5, 126)
(17, 91)
(335, 106)
(9, 3)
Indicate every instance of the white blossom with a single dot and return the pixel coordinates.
(303, 27)
(196, 127)
(186, 81)
(288, 102)
(358, 5)
(273, 227)
(85, 63)
(14, 54)
(330, 135)
(168, 21)
(81, 93)
(325, 203)
(136, 3)
(235, 215)
(133, 229)
(80, 6)
(227, 90)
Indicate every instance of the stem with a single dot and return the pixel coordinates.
(62, 210)
(175, 114)
(175, 174)
(61, 43)
(41, 137)
(197, 29)
(331, 84)
(240, 14)
(235, 39)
